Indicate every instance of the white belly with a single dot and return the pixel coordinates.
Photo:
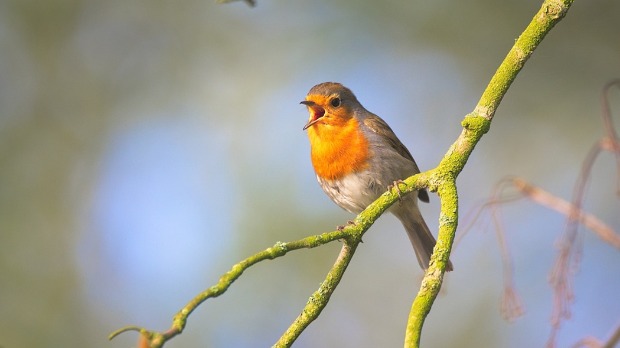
(353, 192)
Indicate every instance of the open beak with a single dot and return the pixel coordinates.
(316, 111)
(309, 124)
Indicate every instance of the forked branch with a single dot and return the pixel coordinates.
(441, 180)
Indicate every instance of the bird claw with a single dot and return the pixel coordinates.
(341, 227)
(399, 192)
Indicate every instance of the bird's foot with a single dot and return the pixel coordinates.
(399, 192)
(341, 227)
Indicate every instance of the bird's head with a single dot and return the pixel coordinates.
(330, 104)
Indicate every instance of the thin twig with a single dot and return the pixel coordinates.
(546, 199)
(569, 245)
(610, 142)
(157, 339)
(592, 342)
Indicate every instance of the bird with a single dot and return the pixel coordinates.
(356, 157)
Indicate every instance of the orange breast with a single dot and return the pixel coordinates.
(338, 149)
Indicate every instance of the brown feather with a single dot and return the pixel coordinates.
(377, 125)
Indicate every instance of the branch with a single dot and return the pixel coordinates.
(475, 125)
(568, 257)
(569, 245)
(550, 13)
(157, 339)
(511, 307)
(591, 342)
(319, 299)
(544, 198)
(610, 142)
(352, 236)
(441, 180)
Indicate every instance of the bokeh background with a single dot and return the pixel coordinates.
(146, 146)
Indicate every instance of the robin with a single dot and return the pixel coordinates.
(357, 156)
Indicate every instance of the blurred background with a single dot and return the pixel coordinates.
(146, 146)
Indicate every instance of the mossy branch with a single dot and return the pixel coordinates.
(157, 339)
(442, 180)
(351, 235)
(475, 125)
(550, 13)
(317, 302)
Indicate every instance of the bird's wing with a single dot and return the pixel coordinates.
(377, 125)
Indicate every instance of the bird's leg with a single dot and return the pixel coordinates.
(398, 190)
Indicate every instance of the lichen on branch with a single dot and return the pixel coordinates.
(441, 179)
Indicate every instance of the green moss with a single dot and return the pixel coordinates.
(477, 124)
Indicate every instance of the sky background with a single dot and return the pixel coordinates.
(146, 147)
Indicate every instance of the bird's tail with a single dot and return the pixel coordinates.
(419, 234)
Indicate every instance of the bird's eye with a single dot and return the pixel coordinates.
(335, 102)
